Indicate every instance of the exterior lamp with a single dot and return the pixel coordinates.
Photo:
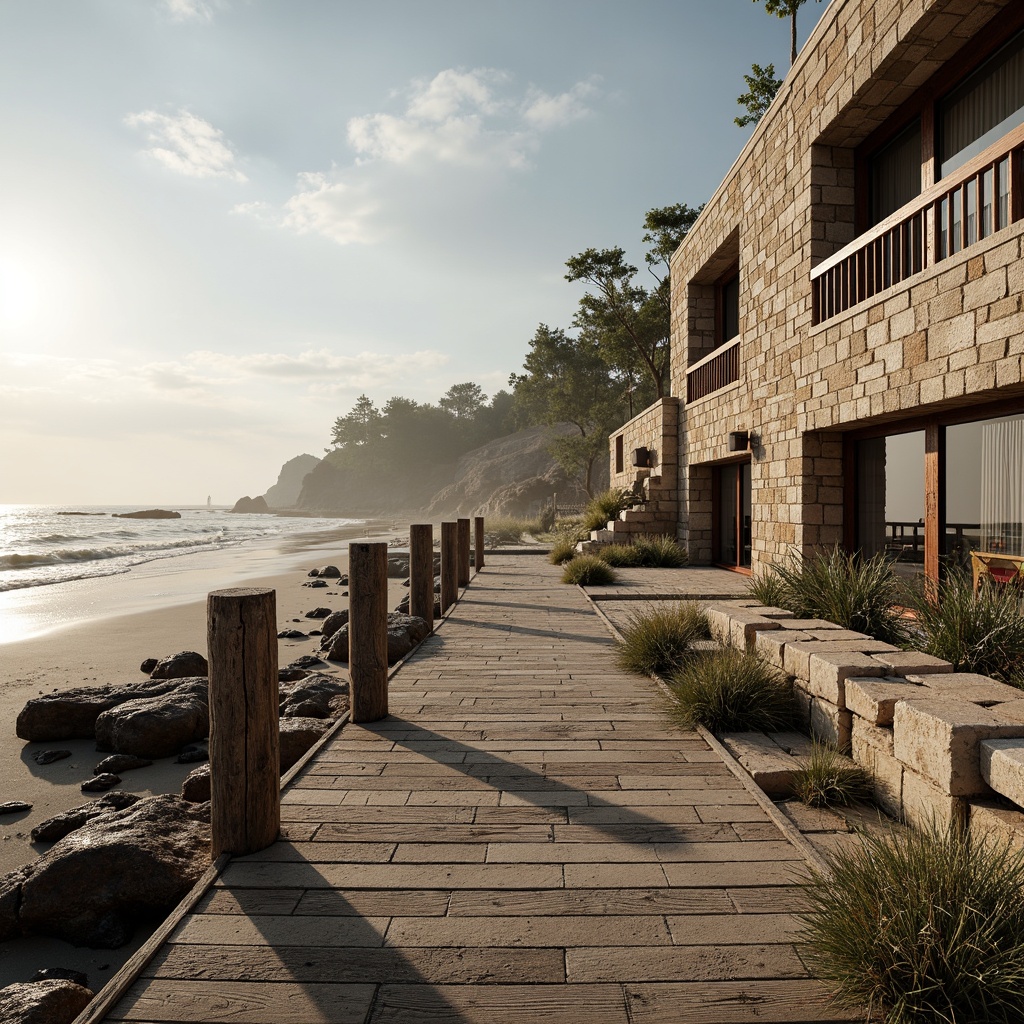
(641, 458)
(739, 440)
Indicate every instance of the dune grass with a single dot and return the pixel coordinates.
(659, 639)
(829, 779)
(588, 571)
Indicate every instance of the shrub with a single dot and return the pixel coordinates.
(978, 632)
(659, 553)
(606, 506)
(831, 780)
(768, 588)
(505, 530)
(562, 551)
(660, 638)
(730, 691)
(862, 594)
(922, 926)
(588, 571)
(619, 555)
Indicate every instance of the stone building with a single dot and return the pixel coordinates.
(847, 325)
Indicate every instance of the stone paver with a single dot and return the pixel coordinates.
(526, 838)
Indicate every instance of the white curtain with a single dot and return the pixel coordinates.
(1002, 486)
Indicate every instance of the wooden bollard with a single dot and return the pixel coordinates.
(368, 631)
(463, 552)
(245, 737)
(478, 536)
(449, 565)
(421, 572)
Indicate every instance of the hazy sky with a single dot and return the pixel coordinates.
(223, 220)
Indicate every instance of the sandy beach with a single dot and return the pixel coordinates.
(107, 646)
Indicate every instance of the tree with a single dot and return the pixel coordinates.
(664, 229)
(463, 401)
(786, 9)
(763, 86)
(360, 428)
(567, 381)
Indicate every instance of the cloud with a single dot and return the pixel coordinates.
(187, 144)
(189, 10)
(546, 113)
(338, 211)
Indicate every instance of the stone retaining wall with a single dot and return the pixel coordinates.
(940, 744)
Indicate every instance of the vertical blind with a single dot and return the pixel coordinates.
(896, 173)
(1002, 486)
(984, 108)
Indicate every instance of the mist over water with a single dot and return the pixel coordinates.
(42, 545)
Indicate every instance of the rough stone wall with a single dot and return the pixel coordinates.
(657, 429)
(949, 335)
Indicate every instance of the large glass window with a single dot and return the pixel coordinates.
(733, 514)
(984, 490)
(730, 325)
(896, 173)
(984, 108)
(890, 499)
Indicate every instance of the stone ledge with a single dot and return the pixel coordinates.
(1002, 767)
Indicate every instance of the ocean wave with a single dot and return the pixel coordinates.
(99, 570)
(154, 549)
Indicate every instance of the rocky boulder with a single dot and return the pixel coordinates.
(93, 886)
(157, 726)
(180, 666)
(257, 505)
(73, 713)
(333, 623)
(196, 787)
(285, 492)
(60, 825)
(56, 1001)
(316, 696)
(297, 736)
(149, 513)
(404, 633)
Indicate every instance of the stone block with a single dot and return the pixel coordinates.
(967, 686)
(1011, 710)
(904, 663)
(763, 760)
(886, 771)
(771, 645)
(837, 634)
(874, 699)
(989, 819)
(743, 630)
(923, 803)
(877, 736)
(830, 669)
(797, 657)
(940, 738)
(830, 724)
(1002, 767)
(808, 624)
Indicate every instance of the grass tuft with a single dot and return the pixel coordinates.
(562, 550)
(921, 926)
(659, 553)
(768, 588)
(588, 571)
(831, 780)
(499, 530)
(730, 691)
(605, 507)
(978, 632)
(659, 639)
(619, 555)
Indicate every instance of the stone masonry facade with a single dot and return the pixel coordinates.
(950, 335)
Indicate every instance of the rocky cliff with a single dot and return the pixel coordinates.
(285, 493)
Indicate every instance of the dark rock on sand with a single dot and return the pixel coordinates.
(397, 567)
(49, 756)
(66, 822)
(404, 632)
(316, 583)
(157, 726)
(14, 806)
(73, 713)
(317, 696)
(335, 645)
(330, 572)
(318, 613)
(290, 675)
(181, 666)
(297, 736)
(196, 787)
(291, 634)
(101, 783)
(95, 884)
(334, 622)
(53, 1001)
(305, 661)
(121, 763)
(61, 974)
(193, 755)
(149, 513)
(148, 665)
(10, 900)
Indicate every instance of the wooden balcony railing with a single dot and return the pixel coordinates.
(982, 197)
(714, 371)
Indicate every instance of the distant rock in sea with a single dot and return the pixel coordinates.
(149, 513)
(256, 505)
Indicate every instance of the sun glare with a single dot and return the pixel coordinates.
(19, 294)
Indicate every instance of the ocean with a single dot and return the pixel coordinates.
(42, 545)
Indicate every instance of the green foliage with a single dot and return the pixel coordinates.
(659, 553)
(499, 530)
(730, 691)
(921, 926)
(768, 588)
(856, 593)
(606, 506)
(588, 571)
(463, 401)
(665, 228)
(831, 780)
(786, 9)
(621, 556)
(762, 86)
(978, 632)
(563, 549)
(660, 638)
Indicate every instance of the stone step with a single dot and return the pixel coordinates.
(771, 767)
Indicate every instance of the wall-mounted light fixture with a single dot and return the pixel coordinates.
(641, 458)
(739, 440)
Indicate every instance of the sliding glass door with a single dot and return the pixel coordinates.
(732, 515)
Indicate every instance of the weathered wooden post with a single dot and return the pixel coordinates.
(478, 534)
(449, 565)
(463, 552)
(368, 631)
(245, 738)
(421, 572)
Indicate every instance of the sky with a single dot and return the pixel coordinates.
(221, 221)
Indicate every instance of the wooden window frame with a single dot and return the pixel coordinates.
(716, 529)
(732, 274)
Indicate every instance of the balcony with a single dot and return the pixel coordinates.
(715, 371)
(982, 197)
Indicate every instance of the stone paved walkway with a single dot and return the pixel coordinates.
(525, 839)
